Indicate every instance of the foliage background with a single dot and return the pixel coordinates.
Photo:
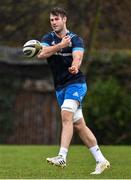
(109, 21)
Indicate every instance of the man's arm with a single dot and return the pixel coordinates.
(77, 60)
(48, 51)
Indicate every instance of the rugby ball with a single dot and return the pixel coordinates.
(31, 48)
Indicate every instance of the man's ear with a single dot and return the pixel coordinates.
(65, 19)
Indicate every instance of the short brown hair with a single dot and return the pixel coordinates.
(58, 11)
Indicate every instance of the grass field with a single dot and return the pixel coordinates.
(24, 162)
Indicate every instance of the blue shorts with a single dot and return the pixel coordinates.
(72, 91)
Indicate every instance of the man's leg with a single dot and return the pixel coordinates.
(90, 141)
(85, 133)
(67, 128)
(68, 109)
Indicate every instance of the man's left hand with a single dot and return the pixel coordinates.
(73, 70)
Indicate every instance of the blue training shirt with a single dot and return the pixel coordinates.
(62, 60)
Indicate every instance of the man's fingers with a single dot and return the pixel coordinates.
(73, 70)
(67, 38)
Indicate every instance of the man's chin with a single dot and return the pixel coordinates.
(57, 31)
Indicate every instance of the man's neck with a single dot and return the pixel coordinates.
(62, 33)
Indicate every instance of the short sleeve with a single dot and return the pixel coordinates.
(77, 43)
(46, 40)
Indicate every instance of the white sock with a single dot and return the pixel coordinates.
(63, 152)
(96, 152)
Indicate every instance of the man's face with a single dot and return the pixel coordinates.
(57, 23)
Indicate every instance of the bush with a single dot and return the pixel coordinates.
(107, 108)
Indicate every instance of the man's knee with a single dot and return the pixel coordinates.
(78, 126)
(66, 116)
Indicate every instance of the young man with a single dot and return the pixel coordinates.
(64, 53)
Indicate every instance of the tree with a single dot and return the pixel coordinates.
(22, 20)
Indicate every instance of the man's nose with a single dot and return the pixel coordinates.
(54, 23)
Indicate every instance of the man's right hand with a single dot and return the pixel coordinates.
(48, 51)
(65, 41)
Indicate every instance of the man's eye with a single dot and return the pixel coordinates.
(56, 19)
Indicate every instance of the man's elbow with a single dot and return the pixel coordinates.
(41, 56)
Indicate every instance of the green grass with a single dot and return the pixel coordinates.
(19, 162)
